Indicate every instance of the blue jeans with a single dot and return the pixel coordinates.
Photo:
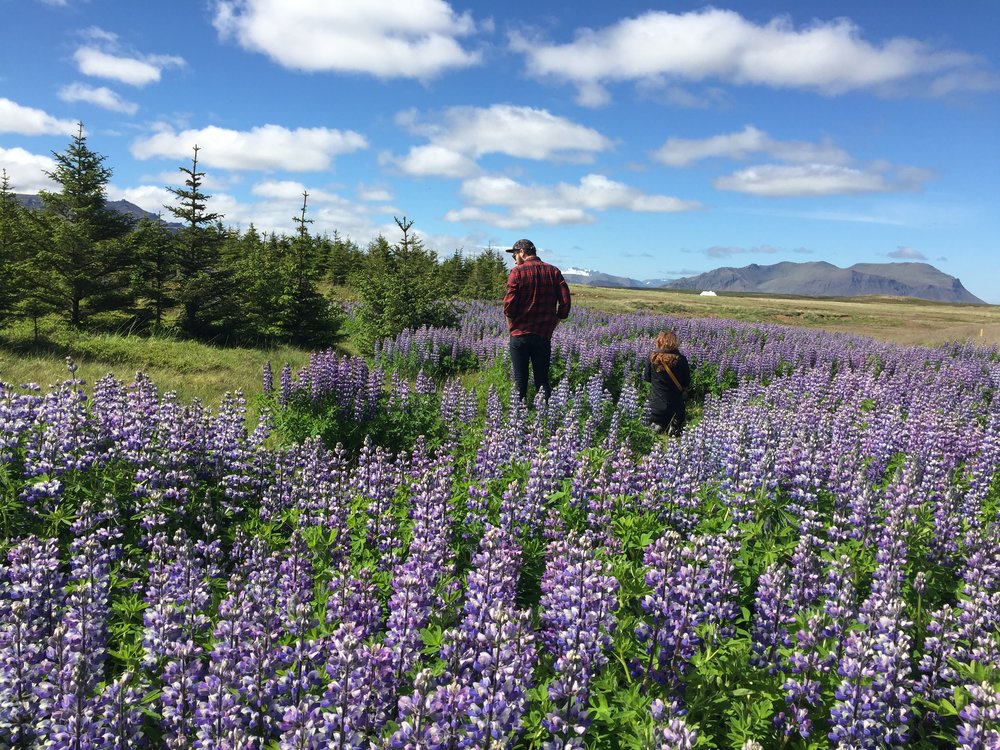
(537, 351)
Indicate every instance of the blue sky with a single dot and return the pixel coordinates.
(651, 140)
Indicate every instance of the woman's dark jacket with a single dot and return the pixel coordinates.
(664, 398)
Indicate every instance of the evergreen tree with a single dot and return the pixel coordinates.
(306, 317)
(12, 245)
(23, 235)
(207, 309)
(86, 263)
(257, 278)
(400, 286)
(455, 271)
(487, 278)
(343, 257)
(154, 278)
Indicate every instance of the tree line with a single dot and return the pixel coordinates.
(98, 269)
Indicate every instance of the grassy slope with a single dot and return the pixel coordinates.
(902, 320)
(191, 369)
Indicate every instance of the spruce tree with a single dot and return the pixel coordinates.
(12, 245)
(400, 286)
(487, 278)
(306, 317)
(154, 278)
(86, 262)
(207, 309)
(343, 257)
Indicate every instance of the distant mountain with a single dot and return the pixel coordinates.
(596, 278)
(821, 279)
(122, 207)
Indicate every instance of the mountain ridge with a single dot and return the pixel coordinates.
(809, 279)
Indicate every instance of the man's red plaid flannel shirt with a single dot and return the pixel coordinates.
(537, 297)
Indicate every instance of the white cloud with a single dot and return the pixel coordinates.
(464, 134)
(103, 59)
(16, 118)
(375, 194)
(526, 205)
(264, 147)
(281, 202)
(712, 44)
(907, 253)
(416, 39)
(728, 252)
(432, 160)
(100, 96)
(26, 171)
(681, 152)
(774, 180)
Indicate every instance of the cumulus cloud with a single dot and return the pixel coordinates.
(102, 58)
(264, 147)
(907, 253)
(373, 194)
(100, 96)
(281, 200)
(713, 44)
(25, 170)
(16, 118)
(778, 180)
(462, 135)
(516, 205)
(682, 152)
(416, 39)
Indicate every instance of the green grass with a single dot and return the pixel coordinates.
(194, 370)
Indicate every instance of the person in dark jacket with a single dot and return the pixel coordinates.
(537, 299)
(668, 373)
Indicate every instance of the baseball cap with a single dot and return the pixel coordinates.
(525, 245)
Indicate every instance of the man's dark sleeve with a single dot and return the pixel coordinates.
(562, 307)
(510, 298)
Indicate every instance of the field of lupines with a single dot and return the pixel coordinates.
(397, 557)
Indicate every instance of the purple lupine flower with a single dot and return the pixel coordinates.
(174, 622)
(359, 693)
(33, 597)
(938, 675)
(354, 599)
(671, 732)
(980, 727)
(122, 717)
(80, 639)
(501, 676)
(691, 587)
(872, 701)
(285, 384)
(491, 588)
(578, 603)
(772, 617)
(375, 479)
(295, 606)
(409, 610)
(268, 378)
(303, 727)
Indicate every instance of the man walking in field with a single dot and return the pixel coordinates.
(537, 298)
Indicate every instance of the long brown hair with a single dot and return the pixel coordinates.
(666, 354)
